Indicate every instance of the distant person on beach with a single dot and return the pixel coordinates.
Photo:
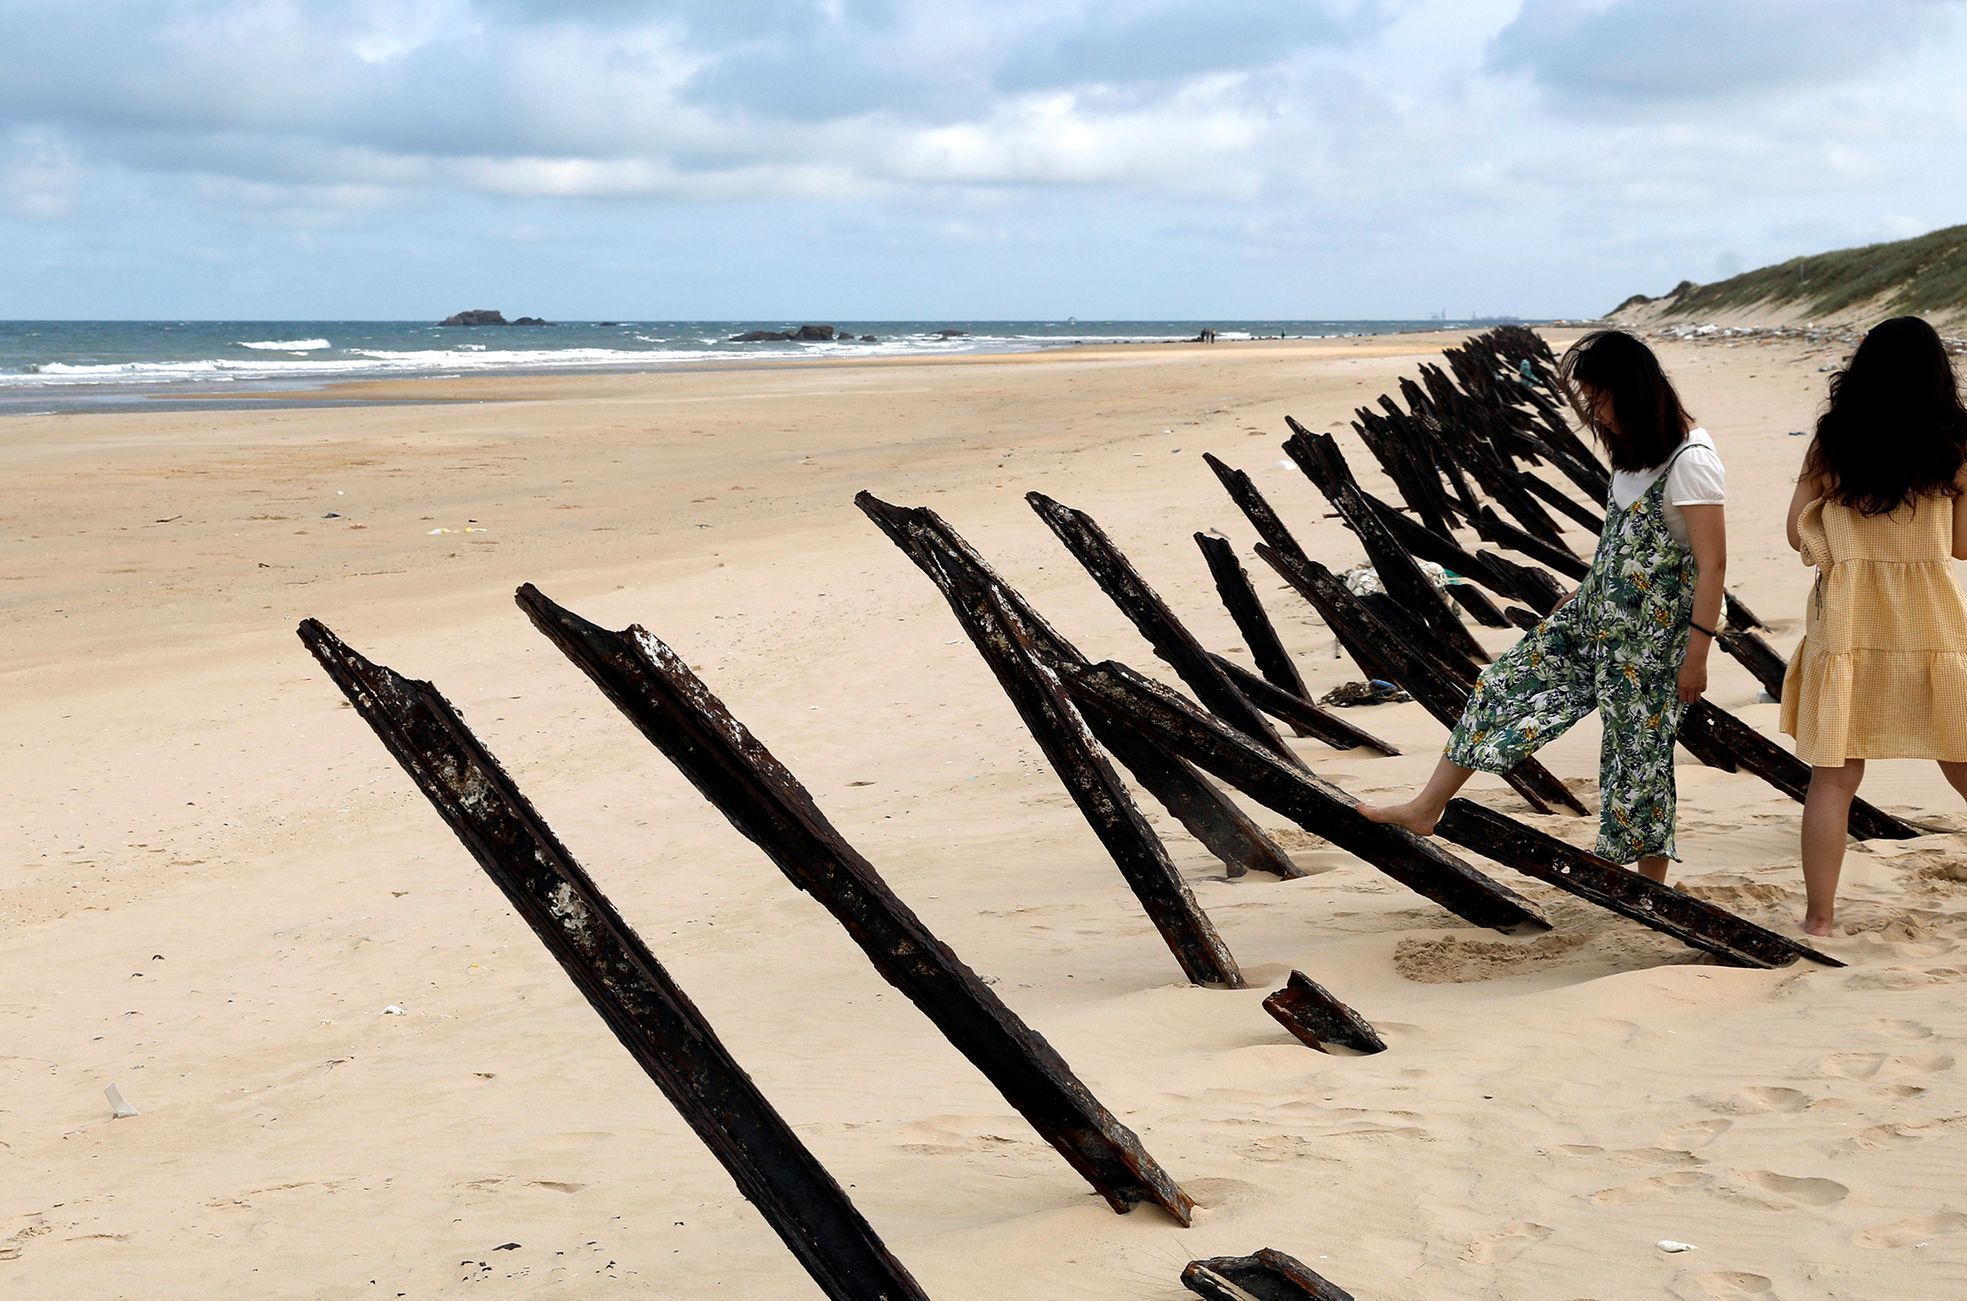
(1882, 670)
(1632, 641)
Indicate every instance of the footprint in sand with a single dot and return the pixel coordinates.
(1737, 895)
(1756, 1099)
(1679, 1181)
(1900, 1135)
(1736, 1282)
(1883, 1066)
(1507, 1243)
(1912, 1231)
(1793, 1190)
(1903, 1030)
(34, 1228)
(1891, 980)
(1696, 1133)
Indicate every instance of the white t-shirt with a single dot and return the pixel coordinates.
(1696, 479)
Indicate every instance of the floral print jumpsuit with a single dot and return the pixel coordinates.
(1616, 647)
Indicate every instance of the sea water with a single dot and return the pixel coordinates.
(52, 364)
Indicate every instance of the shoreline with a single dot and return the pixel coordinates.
(110, 397)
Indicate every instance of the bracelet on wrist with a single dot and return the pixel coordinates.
(1697, 628)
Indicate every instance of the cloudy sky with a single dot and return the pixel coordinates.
(872, 159)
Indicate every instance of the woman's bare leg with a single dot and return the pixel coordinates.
(1653, 867)
(1826, 826)
(1420, 814)
(1956, 775)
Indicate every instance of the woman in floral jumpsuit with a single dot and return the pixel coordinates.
(1632, 641)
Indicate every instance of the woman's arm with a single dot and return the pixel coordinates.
(1960, 517)
(1707, 534)
(1809, 487)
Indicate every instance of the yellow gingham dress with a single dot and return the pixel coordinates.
(1882, 670)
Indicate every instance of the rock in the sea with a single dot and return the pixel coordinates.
(952, 334)
(477, 316)
(804, 334)
(868, 338)
(531, 320)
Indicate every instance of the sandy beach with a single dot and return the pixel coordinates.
(218, 880)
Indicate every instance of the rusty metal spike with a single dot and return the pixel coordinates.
(651, 1016)
(671, 706)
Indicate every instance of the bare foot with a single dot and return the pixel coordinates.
(1410, 815)
(1817, 926)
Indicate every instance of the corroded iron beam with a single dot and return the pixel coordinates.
(1144, 608)
(1314, 804)
(1203, 810)
(1493, 528)
(1247, 611)
(1719, 739)
(651, 1016)
(1441, 548)
(1210, 816)
(671, 706)
(1564, 503)
(1533, 586)
(1758, 657)
(1739, 615)
(1319, 457)
(1267, 1275)
(1311, 1012)
(1695, 922)
(1308, 717)
(1255, 509)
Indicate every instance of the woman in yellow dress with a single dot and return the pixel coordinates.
(1882, 670)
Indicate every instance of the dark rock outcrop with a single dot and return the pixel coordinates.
(868, 338)
(952, 334)
(804, 334)
(531, 320)
(477, 316)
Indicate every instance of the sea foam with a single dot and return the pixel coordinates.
(287, 345)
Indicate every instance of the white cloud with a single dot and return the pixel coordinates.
(1370, 156)
(39, 174)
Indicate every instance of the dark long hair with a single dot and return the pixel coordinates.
(1894, 429)
(1648, 420)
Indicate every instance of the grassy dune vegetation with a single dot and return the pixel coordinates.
(1926, 275)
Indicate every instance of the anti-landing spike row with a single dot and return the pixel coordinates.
(732, 769)
(651, 1016)
(1172, 641)
(1316, 805)
(951, 563)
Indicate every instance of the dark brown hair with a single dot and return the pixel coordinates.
(1894, 429)
(1648, 421)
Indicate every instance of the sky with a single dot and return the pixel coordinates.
(917, 159)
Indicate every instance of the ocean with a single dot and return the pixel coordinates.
(53, 365)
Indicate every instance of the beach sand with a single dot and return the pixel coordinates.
(218, 880)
